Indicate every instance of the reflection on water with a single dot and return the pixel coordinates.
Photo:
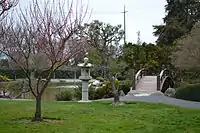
(48, 95)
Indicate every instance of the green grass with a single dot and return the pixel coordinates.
(99, 117)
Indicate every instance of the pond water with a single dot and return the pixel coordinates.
(50, 92)
(48, 95)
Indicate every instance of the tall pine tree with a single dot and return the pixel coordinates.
(181, 16)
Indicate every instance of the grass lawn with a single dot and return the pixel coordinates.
(98, 117)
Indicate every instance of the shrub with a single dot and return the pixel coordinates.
(92, 92)
(189, 92)
(104, 91)
(125, 86)
(101, 79)
(77, 93)
(64, 96)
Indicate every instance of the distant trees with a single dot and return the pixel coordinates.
(148, 56)
(42, 39)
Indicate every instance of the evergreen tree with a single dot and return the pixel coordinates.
(181, 16)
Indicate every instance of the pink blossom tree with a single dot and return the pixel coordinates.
(6, 5)
(43, 38)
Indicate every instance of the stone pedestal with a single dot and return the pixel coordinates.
(85, 77)
(85, 94)
(32, 75)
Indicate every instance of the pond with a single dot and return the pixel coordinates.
(49, 93)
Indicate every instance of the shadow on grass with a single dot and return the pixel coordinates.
(44, 119)
(122, 103)
(130, 102)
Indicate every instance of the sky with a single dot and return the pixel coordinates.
(141, 15)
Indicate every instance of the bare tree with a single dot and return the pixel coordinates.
(187, 53)
(43, 39)
(6, 5)
(105, 38)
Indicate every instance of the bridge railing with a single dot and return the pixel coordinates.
(139, 75)
(164, 73)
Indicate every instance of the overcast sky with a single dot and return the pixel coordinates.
(141, 15)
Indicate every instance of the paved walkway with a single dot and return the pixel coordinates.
(160, 99)
(151, 99)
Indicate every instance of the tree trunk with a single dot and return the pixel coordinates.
(104, 70)
(133, 80)
(111, 79)
(116, 97)
(37, 116)
(115, 91)
(104, 66)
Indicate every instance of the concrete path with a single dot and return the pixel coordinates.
(161, 99)
(150, 99)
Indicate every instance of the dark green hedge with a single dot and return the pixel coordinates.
(61, 74)
(10, 73)
(19, 73)
(189, 92)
